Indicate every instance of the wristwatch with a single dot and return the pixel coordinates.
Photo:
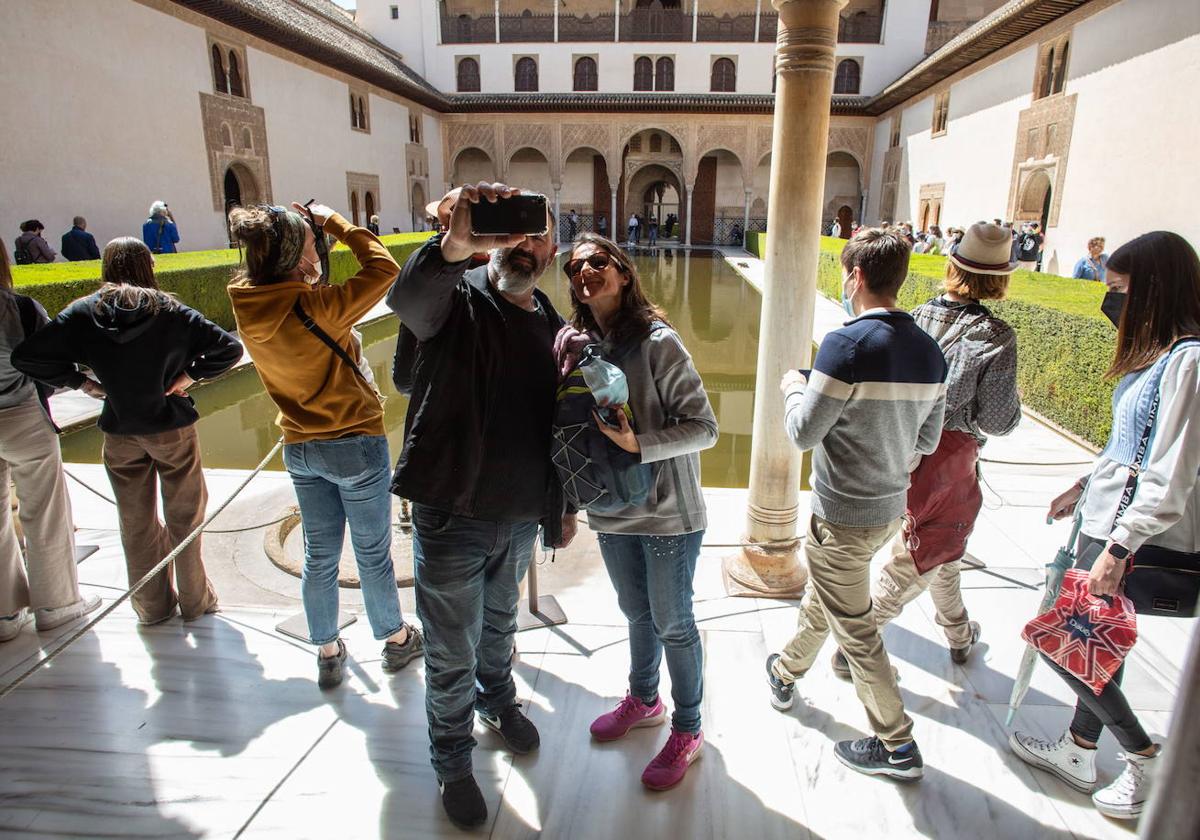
(1119, 551)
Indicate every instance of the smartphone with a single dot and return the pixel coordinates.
(507, 216)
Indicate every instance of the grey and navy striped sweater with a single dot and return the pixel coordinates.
(876, 397)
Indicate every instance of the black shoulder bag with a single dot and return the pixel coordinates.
(1159, 581)
(27, 311)
(338, 350)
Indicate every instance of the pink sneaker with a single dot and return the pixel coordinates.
(671, 764)
(629, 714)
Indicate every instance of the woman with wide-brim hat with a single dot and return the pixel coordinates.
(981, 399)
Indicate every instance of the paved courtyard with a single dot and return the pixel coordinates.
(217, 729)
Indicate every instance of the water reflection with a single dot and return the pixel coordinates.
(711, 307)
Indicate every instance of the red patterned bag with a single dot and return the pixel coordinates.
(1085, 635)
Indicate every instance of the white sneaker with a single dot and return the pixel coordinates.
(50, 617)
(1127, 795)
(10, 625)
(1064, 758)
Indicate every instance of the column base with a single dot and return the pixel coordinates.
(758, 572)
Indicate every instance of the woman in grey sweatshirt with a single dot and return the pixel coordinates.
(650, 549)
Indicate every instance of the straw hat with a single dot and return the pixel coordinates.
(984, 249)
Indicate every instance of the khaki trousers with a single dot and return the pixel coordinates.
(899, 582)
(136, 464)
(30, 458)
(839, 601)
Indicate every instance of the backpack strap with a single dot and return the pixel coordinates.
(338, 350)
(28, 314)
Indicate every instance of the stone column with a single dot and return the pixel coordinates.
(757, 17)
(614, 224)
(687, 231)
(556, 22)
(804, 61)
(496, 14)
(557, 212)
(616, 20)
(695, 18)
(746, 216)
(1173, 810)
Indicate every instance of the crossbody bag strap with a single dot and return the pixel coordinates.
(338, 350)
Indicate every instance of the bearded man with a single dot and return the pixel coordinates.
(476, 465)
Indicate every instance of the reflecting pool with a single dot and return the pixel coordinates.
(713, 309)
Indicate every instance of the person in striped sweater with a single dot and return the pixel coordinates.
(873, 402)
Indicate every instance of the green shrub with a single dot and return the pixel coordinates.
(1064, 343)
(198, 278)
(756, 243)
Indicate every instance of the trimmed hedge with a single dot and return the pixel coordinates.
(198, 278)
(1064, 343)
(756, 243)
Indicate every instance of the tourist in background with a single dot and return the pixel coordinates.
(572, 226)
(602, 225)
(633, 229)
(981, 399)
(146, 349)
(476, 465)
(335, 443)
(31, 247)
(1154, 301)
(652, 228)
(159, 232)
(934, 243)
(650, 549)
(1029, 246)
(1092, 267)
(78, 244)
(875, 397)
(373, 225)
(44, 582)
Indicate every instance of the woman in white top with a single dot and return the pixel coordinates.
(1154, 300)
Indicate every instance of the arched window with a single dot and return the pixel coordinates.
(1047, 74)
(526, 75)
(220, 81)
(468, 75)
(586, 75)
(354, 209)
(655, 143)
(353, 114)
(1060, 71)
(848, 77)
(362, 114)
(643, 74)
(226, 136)
(369, 205)
(235, 76)
(724, 76)
(664, 74)
(247, 139)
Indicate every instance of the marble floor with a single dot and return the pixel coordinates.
(216, 729)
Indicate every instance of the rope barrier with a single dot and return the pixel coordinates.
(133, 590)
(1038, 463)
(113, 502)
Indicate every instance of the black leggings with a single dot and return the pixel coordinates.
(1109, 708)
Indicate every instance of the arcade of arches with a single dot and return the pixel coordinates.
(610, 167)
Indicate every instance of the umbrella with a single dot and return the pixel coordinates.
(1063, 560)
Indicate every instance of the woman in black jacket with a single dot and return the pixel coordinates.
(146, 349)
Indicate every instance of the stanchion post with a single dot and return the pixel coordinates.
(538, 610)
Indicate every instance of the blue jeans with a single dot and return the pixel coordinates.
(653, 579)
(340, 481)
(468, 580)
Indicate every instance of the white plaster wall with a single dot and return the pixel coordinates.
(431, 137)
(530, 171)
(974, 157)
(86, 134)
(313, 146)
(407, 34)
(577, 184)
(1132, 167)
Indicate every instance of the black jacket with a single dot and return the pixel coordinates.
(78, 244)
(457, 379)
(135, 354)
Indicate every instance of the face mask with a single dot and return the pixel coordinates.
(847, 304)
(1112, 306)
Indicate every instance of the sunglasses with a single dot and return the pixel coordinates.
(598, 262)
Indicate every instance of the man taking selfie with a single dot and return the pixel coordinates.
(476, 465)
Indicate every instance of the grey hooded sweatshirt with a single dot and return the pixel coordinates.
(674, 423)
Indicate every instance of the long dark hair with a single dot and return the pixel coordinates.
(127, 274)
(636, 311)
(1163, 302)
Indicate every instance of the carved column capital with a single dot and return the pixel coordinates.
(807, 36)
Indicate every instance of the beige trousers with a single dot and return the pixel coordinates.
(136, 464)
(899, 582)
(30, 458)
(839, 601)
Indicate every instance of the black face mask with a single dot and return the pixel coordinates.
(1112, 306)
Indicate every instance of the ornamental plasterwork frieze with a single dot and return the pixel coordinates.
(677, 130)
(853, 140)
(597, 136)
(228, 123)
(729, 137)
(477, 134)
(765, 134)
(532, 135)
(634, 164)
(1042, 145)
